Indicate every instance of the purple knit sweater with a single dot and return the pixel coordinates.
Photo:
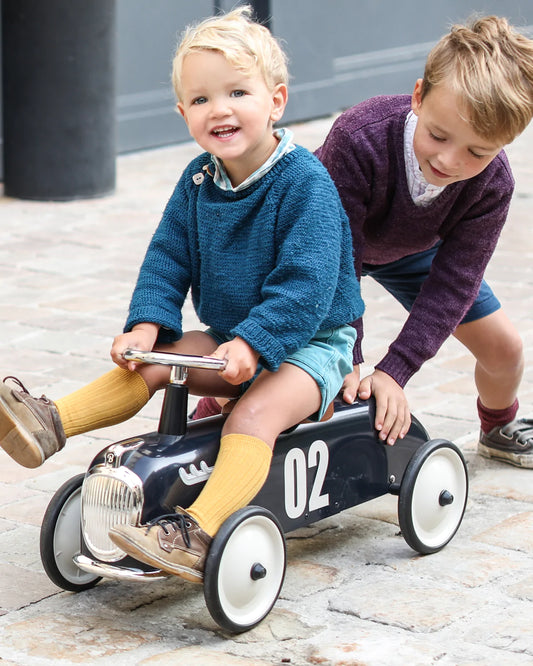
(365, 157)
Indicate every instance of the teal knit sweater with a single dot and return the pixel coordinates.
(272, 264)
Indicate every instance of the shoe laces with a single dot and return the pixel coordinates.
(24, 390)
(176, 521)
(17, 381)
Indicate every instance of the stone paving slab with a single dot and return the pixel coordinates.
(355, 594)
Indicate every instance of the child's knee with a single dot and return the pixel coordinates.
(508, 352)
(244, 418)
(512, 346)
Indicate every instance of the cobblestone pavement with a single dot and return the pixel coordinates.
(354, 593)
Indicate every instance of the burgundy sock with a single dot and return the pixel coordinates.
(206, 407)
(490, 418)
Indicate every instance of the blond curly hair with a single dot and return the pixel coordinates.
(247, 45)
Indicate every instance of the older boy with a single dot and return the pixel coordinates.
(427, 188)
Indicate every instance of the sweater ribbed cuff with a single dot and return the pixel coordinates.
(395, 368)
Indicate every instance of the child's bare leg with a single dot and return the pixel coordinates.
(499, 366)
(120, 394)
(497, 348)
(33, 429)
(274, 402)
(200, 382)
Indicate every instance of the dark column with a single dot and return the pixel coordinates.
(262, 12)
(58, 61)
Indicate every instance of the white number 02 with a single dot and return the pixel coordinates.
(295, 477)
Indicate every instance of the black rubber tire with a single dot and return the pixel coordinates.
(61, 538)
(245, 569)
(433, 496)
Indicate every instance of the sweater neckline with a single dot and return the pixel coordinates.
(271, 174)
(402, 170)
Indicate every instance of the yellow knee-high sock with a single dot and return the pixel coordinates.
(110, 399)
(241, 468)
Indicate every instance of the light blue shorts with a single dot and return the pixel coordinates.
(327, 358)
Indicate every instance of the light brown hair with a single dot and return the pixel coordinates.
(489, 65)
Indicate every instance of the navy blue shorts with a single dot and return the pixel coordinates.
(404, 278)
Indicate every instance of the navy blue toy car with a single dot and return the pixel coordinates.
(318, 470)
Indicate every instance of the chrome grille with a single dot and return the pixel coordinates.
(110, 496)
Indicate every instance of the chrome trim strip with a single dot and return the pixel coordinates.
(119, 573)
(114, 453)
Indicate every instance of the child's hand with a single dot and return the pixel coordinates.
(241, 361)
(350, 386)
(393, 417)
(142, 337)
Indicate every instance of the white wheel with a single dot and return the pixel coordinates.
(245, 569)
(61, 538)
(433, 496)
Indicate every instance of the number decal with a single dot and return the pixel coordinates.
(295, 479)
(319, 458)
(295, 483)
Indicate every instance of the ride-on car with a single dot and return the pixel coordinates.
(318, 470)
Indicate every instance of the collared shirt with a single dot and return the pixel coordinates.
(285, 146)
(422, 192)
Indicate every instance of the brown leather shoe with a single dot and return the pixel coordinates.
(174, 543)
(30, 428)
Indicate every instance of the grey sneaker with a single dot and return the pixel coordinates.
(174, 543)
(511, 443)
(30, 428)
